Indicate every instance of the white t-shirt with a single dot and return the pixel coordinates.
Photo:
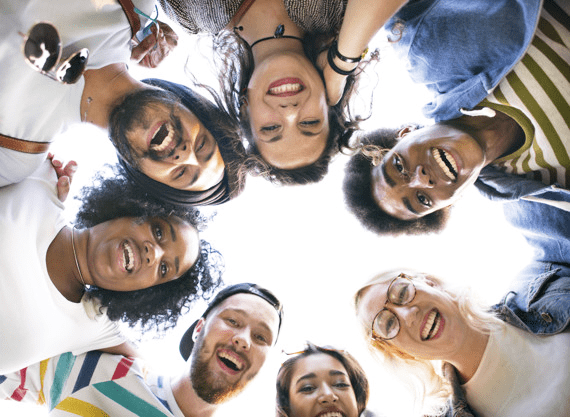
(36, 320)
(34, 107)
(521, 374)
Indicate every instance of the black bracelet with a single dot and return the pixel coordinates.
(330, 59)
(334, 48)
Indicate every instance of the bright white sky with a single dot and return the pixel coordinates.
(301, 243)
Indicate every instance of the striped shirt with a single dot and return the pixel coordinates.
(536, 93)
(94, 384)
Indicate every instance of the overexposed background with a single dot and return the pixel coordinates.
(303, 245)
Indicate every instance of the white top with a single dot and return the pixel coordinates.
(521, 374)
(36, 320)
(34, 107)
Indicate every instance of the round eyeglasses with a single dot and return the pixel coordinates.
(386, 324)
(42, 50)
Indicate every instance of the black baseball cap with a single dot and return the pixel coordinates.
(186, 343)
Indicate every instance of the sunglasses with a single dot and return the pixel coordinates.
(42, 50)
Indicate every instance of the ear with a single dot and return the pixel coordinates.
(198, 328)
(430, 282)
(404, 131)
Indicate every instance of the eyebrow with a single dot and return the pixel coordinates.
(244, 313)
(409, 205)
(332, 372)
(391, 183)
(173, 237)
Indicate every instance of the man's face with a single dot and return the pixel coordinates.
(231, 346)
(172, 146)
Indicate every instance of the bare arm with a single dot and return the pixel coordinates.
(362, 19)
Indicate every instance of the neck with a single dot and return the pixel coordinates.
(499, 135)
(103, 88)
(468, 357)
(261, 20)
(61, 266)
(190, 404)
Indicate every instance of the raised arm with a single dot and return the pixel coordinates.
(362, 19)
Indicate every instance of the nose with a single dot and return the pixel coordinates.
(152, 253)
(185, 154)
(241, 339)
(408, 314)
(327, 395)
(421, 178)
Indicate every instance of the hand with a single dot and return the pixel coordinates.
(155, 47)
(334, 82)
(64, 176)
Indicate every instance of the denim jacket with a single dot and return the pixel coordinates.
(539, 301)
(462, 49)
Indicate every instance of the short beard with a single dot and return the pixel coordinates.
(205, 384)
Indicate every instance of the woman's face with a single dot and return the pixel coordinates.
(127, 254)
(287, 110)
(427, 170)
(431, 325)
(320, 386)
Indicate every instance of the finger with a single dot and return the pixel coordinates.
(69, 170)
(143, 48)
(63, 188)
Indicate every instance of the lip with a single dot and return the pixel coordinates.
(285, 81)
(154, 129)
(441, 325)
(439, 170)
(330, 410)
(235, 355)
(136, 256)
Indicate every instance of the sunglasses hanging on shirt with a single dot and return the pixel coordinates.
(42, 50)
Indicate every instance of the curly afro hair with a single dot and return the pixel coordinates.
(358, 197)
(159, 307)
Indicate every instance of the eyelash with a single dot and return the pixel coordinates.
(310, 122)
(399, 165)
(270, 128)
(421, 196)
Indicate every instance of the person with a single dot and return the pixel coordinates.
(78, 283)
(224, 350)
(511, 360)
(517, 124)
(270, 79)
(166, 141)
(321, 380)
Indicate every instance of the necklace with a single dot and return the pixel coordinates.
(75, 255)
(279, 34)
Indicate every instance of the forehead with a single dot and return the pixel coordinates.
(391, 197)
(253, 308)
(319, 364)
(372, 301)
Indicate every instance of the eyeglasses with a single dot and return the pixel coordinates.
(401, 291)
(42, 50)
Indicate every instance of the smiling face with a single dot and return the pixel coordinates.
(287, 110)
(127, 254)
(320, 386)
(426, 171)
(431, 325)
(231, 346)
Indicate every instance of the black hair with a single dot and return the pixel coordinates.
(235, 62)
(357, 187)
(112, 197)
(356, 375)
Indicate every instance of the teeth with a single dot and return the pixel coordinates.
(128, 257)
(446, 162)
(432, 326)
(158, 145)
(286, 88)
(332, 414)
(236, 362)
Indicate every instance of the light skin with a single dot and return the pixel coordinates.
(190, 167)
(428, 169)
(286, 99)
(319, 385)
(124, 254)
(243, 328)
(454, 341)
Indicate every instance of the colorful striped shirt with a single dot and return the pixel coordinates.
(536, 93)
(94, 384)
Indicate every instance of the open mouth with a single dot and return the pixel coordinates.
(331, 413)
(163, 139)
(128, 257)
(432, 325)
(231, 360)
(446, 162)
(286, 87)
